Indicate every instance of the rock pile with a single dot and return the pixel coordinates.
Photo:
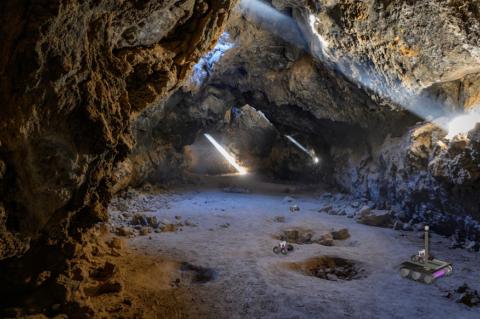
(465, 295)
(306, 236)
(375, 217)
(329, 268)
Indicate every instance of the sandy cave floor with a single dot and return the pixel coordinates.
(233, 239)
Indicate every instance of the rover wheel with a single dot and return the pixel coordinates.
(404, 272)
(276, 250)
(416, 275)
(283, 251)
(289, 247)
(428, 279)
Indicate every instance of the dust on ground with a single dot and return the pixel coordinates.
(217, 260)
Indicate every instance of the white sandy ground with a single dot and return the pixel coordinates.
(253, 282)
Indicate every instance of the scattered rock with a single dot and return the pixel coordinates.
(105, 272)
(329, 268)
(465, 295)
(116, 243)
(138, 219)
(226, 225)
(294, 208)
(350, 214)
(397, 225)
(326, 240)
(341, 234)
(79, 272)
(364, 210)
(455, 243)
(239, 190)
(147, 188)
(188, 222)
(375, 217)
(145, 231)
(279, 219)
(325, 209)
(169, 228)
(297, 236)
(472, 246)
(124, 231)
(142, 220)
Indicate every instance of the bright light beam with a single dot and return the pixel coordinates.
(228, 157)
(300, 146)
(464, 123)
(366, 76)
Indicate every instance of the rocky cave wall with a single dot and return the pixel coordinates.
(74, 74)
(370, 144)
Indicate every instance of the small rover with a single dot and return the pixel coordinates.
(423, 267)
(283, 248)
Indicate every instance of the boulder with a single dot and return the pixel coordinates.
(341, 234)
(169, 228)
(294, 208)
(326, 240)
(297, 236)
(124, 231)
(376, 217)
(325, 209)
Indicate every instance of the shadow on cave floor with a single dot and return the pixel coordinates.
(205, 251)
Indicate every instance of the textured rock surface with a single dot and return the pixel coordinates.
(336, 87)
(73, 76)
(296, 93)
(423, 175)
(79, 72)
(417, 42)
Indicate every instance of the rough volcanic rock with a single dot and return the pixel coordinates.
(341, 234)
(297, 236)
(339, 88)
(376, 217)
(465, 295)
(73, 76)
(423, 175)
(295, 93)
(415, 43)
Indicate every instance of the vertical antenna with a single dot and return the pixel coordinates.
(427, 253)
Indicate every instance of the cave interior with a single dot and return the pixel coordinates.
(239, 159)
